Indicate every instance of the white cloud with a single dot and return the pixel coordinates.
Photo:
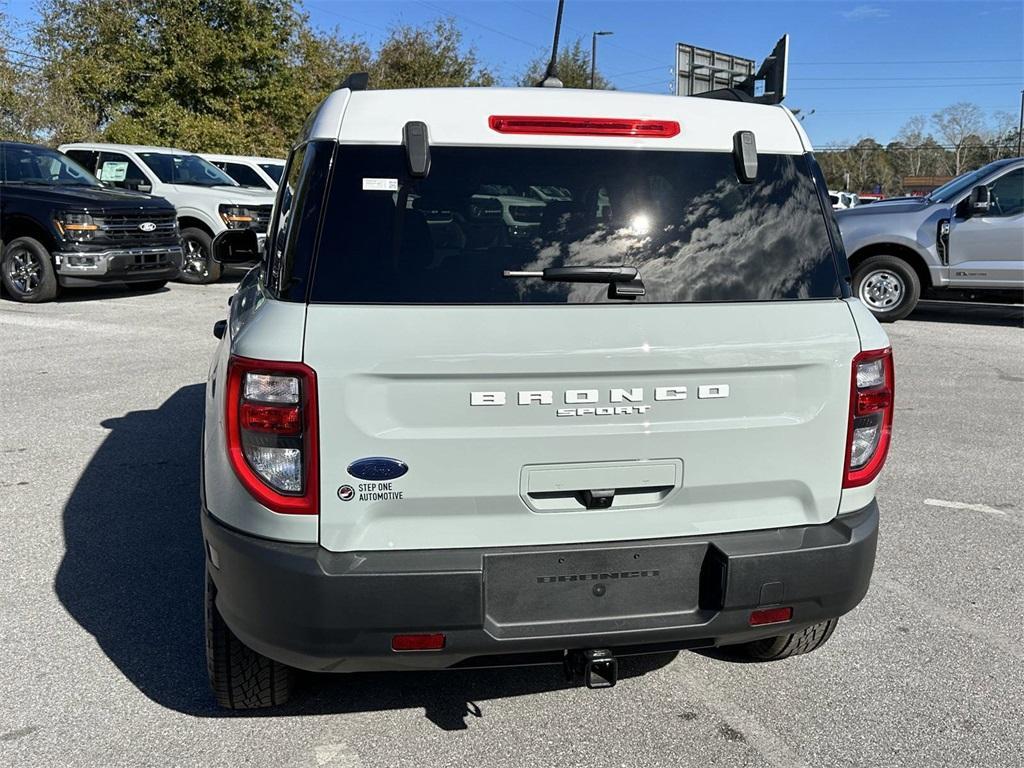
(865, 12)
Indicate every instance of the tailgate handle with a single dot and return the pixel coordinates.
(596, 499)
(600, 485)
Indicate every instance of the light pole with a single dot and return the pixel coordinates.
(1020, 125)
(593, 55)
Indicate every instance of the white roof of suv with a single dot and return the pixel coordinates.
(126, 147)
(460, 116)
(247, 158)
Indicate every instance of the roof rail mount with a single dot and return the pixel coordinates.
(357, 81)
(773, 74)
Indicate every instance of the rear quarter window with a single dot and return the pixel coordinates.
(683, 219)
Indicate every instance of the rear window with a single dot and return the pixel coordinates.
(682, 219)
(273, 170)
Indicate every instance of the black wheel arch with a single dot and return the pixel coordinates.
(190, 222)
(18, 225)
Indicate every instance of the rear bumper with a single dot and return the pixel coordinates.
(324, 611)
(142, 264)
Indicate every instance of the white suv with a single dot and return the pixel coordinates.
(656, 422)
(208, 201)
(259, 172)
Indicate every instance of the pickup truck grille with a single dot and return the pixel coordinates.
(262, 218)
(529, 214)
(125, 227)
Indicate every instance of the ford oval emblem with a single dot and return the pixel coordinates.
(377, 468)
(147, 226)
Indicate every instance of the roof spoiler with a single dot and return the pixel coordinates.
(773, 73)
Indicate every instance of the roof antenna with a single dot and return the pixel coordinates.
(550, 79)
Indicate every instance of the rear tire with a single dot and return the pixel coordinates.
(197, 264)
(785, 646)
(888, 286)
(240, 677)
(26, 270)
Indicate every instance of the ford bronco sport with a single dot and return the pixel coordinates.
(655, 421)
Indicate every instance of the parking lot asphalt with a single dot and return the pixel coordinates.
(101, 642)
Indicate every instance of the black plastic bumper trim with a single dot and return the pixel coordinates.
(325, 611)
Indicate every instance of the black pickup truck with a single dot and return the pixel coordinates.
(60, 227)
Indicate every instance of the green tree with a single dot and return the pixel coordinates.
(218, 75)
(573, 65)
(16, 105)
(430, 57)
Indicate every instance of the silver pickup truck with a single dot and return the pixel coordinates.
(967, 234)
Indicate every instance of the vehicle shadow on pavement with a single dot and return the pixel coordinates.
(127, 291)
(132, 576)
(1010, 315)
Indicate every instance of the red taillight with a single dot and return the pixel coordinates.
(276, 419)
(770, 616)
(271, 424)
(430, 642)
(872, 388)
(584, 126)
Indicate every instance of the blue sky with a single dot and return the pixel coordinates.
(864, 67)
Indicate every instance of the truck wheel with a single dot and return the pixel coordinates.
(240, 677)
(26, 271)
(197, 264)
(793, 644)
(888, 286)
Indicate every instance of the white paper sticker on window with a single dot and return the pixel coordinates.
(381, 185)
(113, 171)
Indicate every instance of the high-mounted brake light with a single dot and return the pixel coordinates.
(271, 417)
(584, 126)
(872, 388)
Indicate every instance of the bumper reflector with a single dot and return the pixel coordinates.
(432, 642)
(770, 616)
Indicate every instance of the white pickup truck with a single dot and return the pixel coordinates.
(208, 201)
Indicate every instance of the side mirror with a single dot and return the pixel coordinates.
(144, 187)
(981, 200)
(236, 246)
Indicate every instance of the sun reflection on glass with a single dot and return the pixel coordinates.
(640, 224)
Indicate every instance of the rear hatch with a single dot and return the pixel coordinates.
(529, 411)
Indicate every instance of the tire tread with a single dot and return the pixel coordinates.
(240, 677)
(793, 644)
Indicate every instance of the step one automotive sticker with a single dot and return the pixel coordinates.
(370, 492)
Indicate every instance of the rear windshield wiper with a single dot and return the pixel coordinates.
(581, 274)
(623, 282)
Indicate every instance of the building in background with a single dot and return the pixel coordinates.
(919, 186)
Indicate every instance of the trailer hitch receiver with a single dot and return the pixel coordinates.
(595, 667)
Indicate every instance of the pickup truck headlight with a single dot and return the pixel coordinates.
(76, 226)
(238, 216)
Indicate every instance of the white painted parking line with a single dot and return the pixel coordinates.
(963, 505)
